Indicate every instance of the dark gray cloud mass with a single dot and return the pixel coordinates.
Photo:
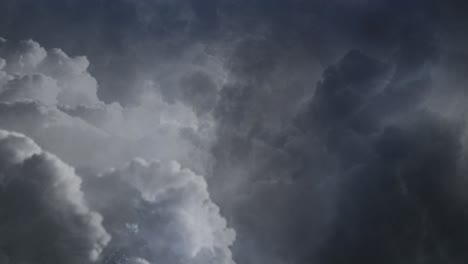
(327, 131)
(44, 218)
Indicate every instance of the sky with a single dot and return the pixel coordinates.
(233, 131)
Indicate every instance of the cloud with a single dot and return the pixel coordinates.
(155, 212)
(416, 211)
(35, 87)
(44, 216)
(73, 139)
(138, 261)
(50, 96)
(160, 212)
(33, 82)
(31, 72)
(228, 88)
(330, 152)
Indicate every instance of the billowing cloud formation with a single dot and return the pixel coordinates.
(161, 212)
(31, 72)
(229, 89)
(43, 216)
(33, 83)
(155, 212)
(49, 96)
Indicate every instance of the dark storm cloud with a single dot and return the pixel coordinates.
(121, 37)
(356, 168)
(126, 37)
(399, 167)
(313, 157)
(129, 38)
(295, 162)
(402, 205)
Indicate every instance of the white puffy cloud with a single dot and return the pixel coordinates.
(43, 215)
(28, 71)
(78, 86)
(161, 212)
(23, 57)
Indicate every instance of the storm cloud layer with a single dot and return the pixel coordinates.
(221, 131)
